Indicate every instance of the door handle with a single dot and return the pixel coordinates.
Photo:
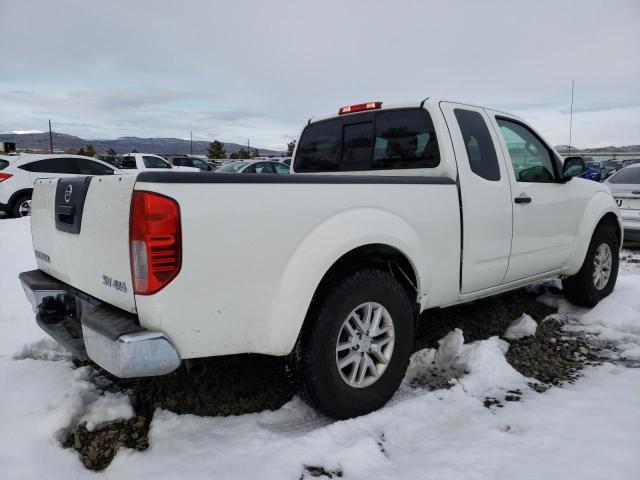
(522, 199)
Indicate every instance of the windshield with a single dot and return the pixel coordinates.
(231, 167)
(626, 175)
(4, 164)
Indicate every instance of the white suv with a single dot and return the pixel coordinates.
(17, 174)
(138, 162)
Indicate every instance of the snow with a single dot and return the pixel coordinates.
(586, 430)
(521, 327)
(107, 408)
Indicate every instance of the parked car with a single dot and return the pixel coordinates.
(17, 174)
(254, 166)
(630, 161)
(593, 172)
(187, 161)
(609, 167)
(138, 162)
(389, 211)
(625, 188)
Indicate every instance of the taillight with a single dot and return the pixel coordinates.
(5, 176)
(360, 107)
(155, 246)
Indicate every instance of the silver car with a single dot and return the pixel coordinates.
(625, 188)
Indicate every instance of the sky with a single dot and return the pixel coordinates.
(238, 70)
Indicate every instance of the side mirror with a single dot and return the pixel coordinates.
(573, 166)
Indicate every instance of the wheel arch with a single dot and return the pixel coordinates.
(19, 193)
(601, 211)
(348, 240)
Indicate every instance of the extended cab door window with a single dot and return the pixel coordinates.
(531, 159)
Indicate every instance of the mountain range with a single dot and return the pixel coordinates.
(39, 142)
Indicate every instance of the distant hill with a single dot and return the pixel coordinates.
(61, 141)
(625, 149)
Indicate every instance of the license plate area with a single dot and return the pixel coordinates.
(70, 196)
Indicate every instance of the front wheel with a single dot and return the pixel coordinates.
(597, 277)
(354, 348)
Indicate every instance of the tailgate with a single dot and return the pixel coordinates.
(80, 229)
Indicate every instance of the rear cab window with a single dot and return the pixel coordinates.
(391, 139)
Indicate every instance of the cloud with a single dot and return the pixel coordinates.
(234, 70)
(23, 132)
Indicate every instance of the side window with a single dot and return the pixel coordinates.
(478, 143)
(264, 167)
(51, 165)
(531, 159)
(250, 169)
(155, 162)
(89, 167)
(405, 139)
(282, 168)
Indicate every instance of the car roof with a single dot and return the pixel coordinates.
(432, 101)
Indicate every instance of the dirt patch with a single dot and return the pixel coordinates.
(480, 319)
(552, 356)
(98, 447)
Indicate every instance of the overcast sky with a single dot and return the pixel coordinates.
(259, 69)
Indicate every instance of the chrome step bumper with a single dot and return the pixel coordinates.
(91, 329)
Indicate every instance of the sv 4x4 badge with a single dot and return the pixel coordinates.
(116, 284)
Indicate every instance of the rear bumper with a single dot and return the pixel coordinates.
(91, 329)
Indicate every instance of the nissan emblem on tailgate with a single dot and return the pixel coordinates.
(67, 193)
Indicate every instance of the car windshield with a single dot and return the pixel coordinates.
(4, 164)
(629, 175)
(231, 167)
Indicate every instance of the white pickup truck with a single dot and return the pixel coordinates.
(389, 211)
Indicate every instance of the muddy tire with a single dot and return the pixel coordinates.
(597, 277)
(355, 344)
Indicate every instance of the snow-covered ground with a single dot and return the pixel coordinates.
(586, 430)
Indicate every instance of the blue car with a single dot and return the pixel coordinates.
(593, 172)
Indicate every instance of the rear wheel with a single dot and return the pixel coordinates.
(597, 277)
(21, 206)
(354, 348)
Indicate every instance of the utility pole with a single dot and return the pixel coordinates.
(50, 138)
(571, 116)
(248, 145)
(191, 142)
